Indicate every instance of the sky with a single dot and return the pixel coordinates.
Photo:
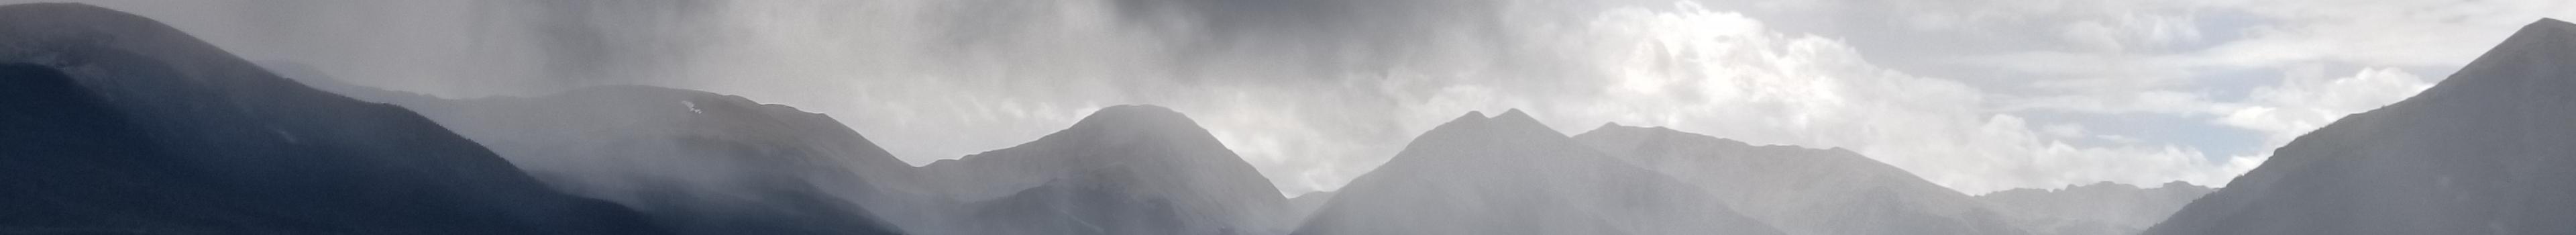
(1977, 95)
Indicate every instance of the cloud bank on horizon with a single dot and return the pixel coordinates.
(1978, 95)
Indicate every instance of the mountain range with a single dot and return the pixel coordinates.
(697, 162)
(119, 124)
(1802, 190)
(114, 123)
(2099, 208)
(1509, 174)
(1130, 169)
(719, 164)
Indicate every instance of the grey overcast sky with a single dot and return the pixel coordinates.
(1979, 95)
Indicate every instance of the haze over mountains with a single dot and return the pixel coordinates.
(113, 123)
(2099, 208)
(1303, 206)
(1129, 169)
(1800, 190)
(731, 160)
(1508, 174)
(698, 162)
(735, 165)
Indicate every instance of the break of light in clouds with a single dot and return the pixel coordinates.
(1978, 95)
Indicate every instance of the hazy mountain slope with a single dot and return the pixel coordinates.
(1801, 190)
(698, 162)
(2484, 152)
(1129, 169)
(119, 124)
(2100, 208)
(1305, 205)
(1508, 174)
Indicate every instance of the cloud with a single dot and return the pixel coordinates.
(1725, 74)
(2205, 60)
(2306, 100)
(2378, 32)
(2137, 103)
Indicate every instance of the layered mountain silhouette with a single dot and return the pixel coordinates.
(1802, 190)
(114, 123)
(697, 162)
(1126, 170)
(2484, 152)
(2099, 208)
(1509, 174)
(1130, 169)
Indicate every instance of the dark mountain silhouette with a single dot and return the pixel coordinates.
(119, 124)
(2100, 208)
(2484, 152)
(1129, 169)
(1508, 174)
(1802, 190)
(697, 162)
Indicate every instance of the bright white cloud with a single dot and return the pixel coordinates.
(1724, 74)
(2307, 100)
(2096, 60)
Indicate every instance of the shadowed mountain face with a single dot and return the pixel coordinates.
(697, 162)
(2484, 152)
(1127, 169)
(1509, 174)
(116, 123)
(2101, 208)
(1801, 190)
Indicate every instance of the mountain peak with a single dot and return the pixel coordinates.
(1137, 109)
(1136, 116)
(1125, 156)
(2552, 21)
(1476, 124)
(2545, 31)
(1512, 113)
(1515, 120)
(1470, 117)
(68, 23)
(2543, 43)
(1125, 125)
(2179, 184)
(1516, 116)
(1115, 136)
(1626, 133)
(2527, 64)
(72, 33)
